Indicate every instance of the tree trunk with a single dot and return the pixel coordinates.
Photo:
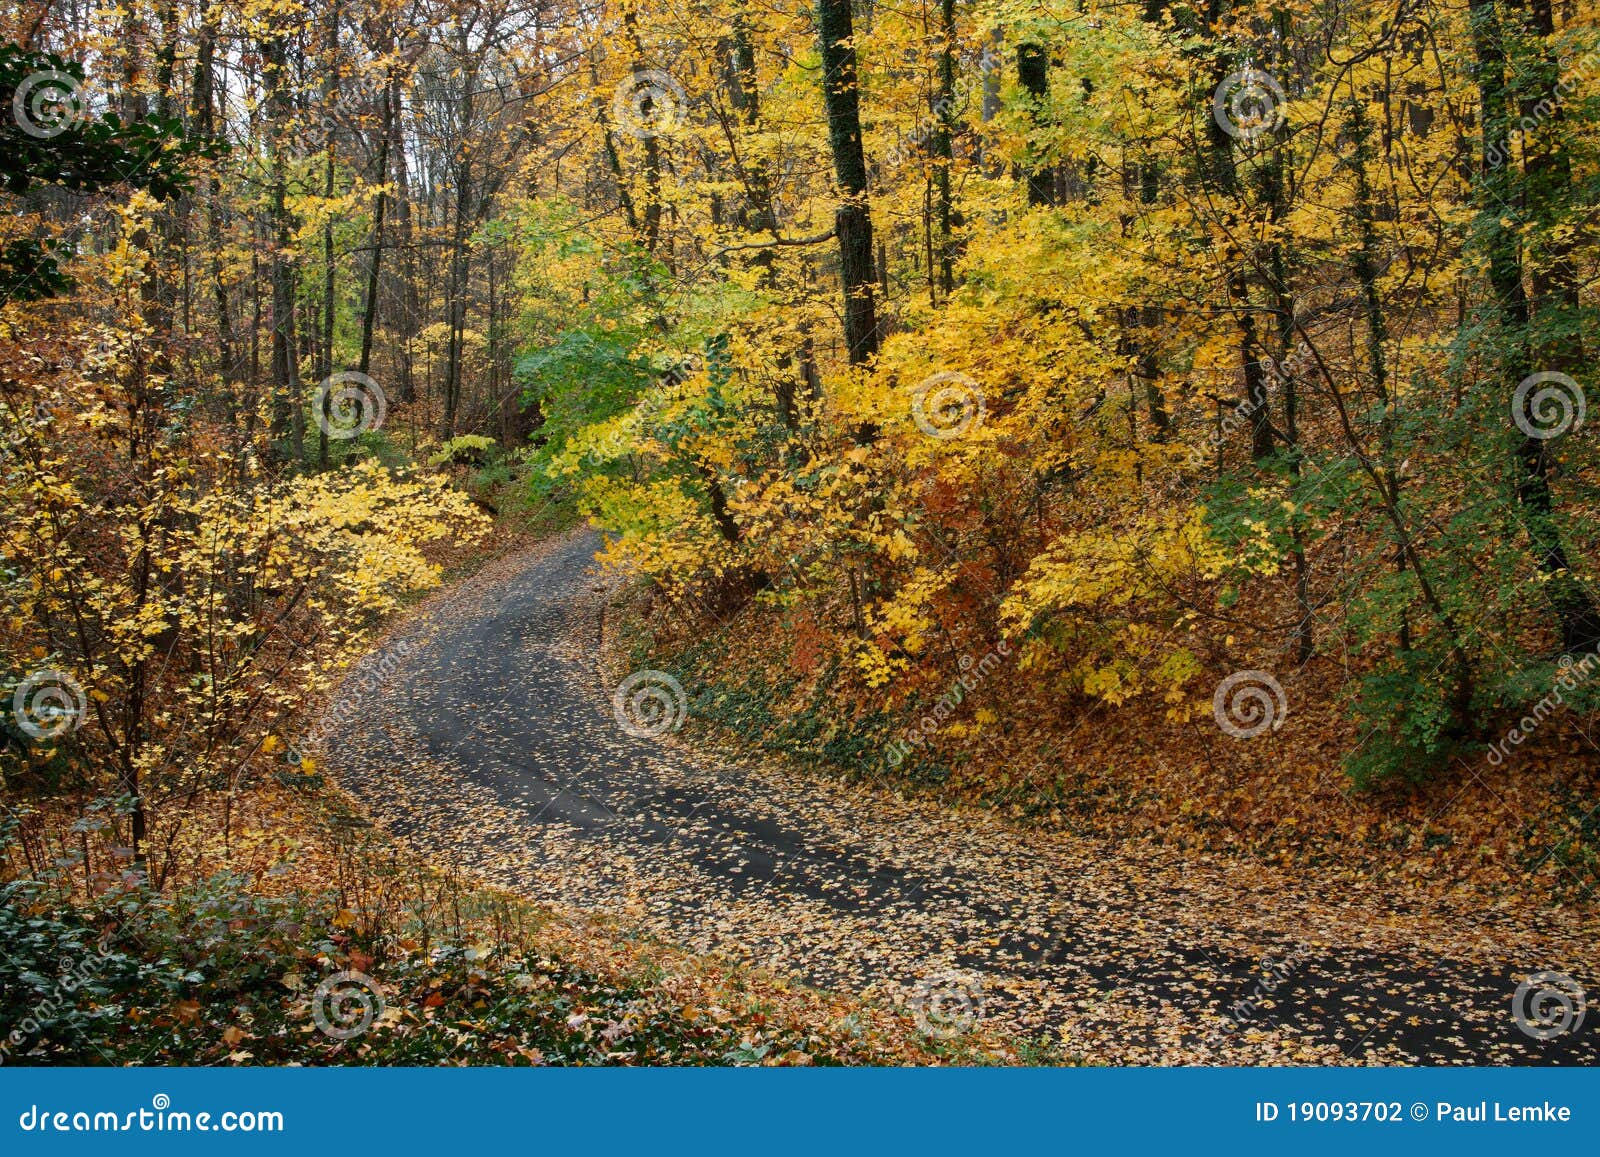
(330, 94)
(1033, 73)
(369, 311)
(852, 220)
(1547, 183)
(287, 409)
(1226, 178)
(1575, 610)
(944, 147)
(408, 320)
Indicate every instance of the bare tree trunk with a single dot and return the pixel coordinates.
(407, 323)
(1377, 327)
(456, 306)
(369, 311)
(287, 408)
(330, 93)
(205, 114)
(944, 147)
(456, 284)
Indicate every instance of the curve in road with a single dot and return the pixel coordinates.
(491, 741)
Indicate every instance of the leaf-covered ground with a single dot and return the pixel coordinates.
(218, 973)
(492, 744)
(325, 944)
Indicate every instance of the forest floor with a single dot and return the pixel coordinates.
(492, 746)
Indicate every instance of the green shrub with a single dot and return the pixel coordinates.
(466, 450)
(217, 974)
(1407, 725)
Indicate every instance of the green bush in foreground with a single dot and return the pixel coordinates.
(215, 974)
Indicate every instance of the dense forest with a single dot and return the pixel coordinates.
(1161, 419)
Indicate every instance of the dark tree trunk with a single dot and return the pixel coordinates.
(288, 413)
(1033, 73)
(1225, 175)
(853, 220)
(369, 311)
(205, 113)
(330, 93)
(944, 147)
(1553, 269)
(408, 309)
(456, 304)
(1575, 610)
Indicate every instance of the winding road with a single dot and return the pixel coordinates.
(484, 735)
